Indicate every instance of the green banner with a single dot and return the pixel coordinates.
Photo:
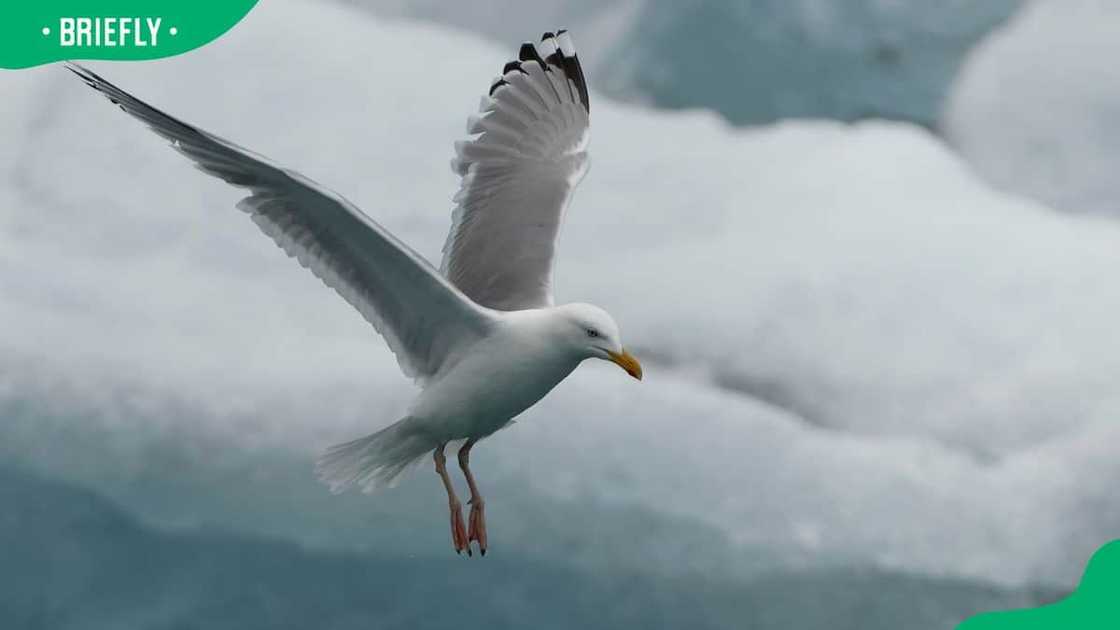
(1095, 605)
(34, 32)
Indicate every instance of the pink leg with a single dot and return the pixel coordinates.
(458, 531)
(478, 515)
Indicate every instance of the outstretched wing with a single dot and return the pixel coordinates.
(518, 176)
(424, 319)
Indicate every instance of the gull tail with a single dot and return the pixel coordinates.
(375, 461)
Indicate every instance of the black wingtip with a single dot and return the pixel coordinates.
(81, 72)
(497, 84)
(529, 52)
(90, 78)
(559, 60)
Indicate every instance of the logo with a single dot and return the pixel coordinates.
(34, 32)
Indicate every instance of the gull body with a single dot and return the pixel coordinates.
(480, 334)
(528, 353)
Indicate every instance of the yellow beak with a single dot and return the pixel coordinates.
(626, 361)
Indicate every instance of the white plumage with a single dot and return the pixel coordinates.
(518, 176)
(483, 337)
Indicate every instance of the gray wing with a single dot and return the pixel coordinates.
(518, 176)
(425, 320)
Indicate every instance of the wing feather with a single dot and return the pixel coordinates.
(518, 175)
(426, 321)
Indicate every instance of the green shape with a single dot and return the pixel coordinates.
(34, 32)
(1094, 605)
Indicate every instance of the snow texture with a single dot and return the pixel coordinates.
(1036, 105)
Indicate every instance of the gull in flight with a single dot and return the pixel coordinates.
(481, 334)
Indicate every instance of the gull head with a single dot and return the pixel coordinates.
(593, 334)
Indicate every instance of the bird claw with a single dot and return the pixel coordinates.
(477, 526)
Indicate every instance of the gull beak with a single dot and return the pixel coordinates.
(626, 361)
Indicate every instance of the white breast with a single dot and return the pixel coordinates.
(503, 375)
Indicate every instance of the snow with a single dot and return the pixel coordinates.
(1035, 106)
(856, 351)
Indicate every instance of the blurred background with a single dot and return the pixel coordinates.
(866, 250)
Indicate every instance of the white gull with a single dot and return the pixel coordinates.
(481, 335)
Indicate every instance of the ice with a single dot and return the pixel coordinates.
(753, 62)
(56, 537)
(857, 352)
(1036, 105)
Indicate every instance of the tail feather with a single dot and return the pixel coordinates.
(375, 461)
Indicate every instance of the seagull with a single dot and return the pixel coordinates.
(481, 334)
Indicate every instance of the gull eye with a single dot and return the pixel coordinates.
(591, 332)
